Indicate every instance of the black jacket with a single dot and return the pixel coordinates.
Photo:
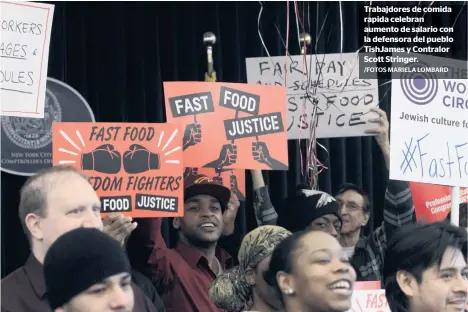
(148, 289)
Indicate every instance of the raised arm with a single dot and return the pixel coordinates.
(150, 237)
(398, 206)
(265, 213)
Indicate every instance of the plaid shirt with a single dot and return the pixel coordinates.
(370, 250)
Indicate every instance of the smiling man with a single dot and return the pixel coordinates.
(425, 269)
(183, 274)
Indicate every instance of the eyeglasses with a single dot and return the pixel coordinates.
(351, 206)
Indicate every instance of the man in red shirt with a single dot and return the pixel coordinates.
(183, 274)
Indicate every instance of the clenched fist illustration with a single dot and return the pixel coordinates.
(104, 159)
(190, 172)
(261, 154)
(227, 157)
(139, 159)
(192, 135)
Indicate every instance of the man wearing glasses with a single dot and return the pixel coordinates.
(367, 252)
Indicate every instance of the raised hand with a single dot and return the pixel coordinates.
(218, 179)
(118, 226)
(192, 135)
(381, 131)
(235, 188)
(382, 138)
(230, 214)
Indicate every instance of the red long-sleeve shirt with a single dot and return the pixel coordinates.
(182, 275)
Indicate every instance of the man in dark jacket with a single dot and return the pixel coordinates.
(87, 270)
(53, 202)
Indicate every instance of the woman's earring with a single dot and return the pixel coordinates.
(289, 292)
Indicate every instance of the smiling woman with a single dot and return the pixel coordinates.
(312, 273)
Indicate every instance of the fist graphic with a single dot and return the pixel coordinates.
(260, 152)
(227, 157)
(190, 172)
(192, 135)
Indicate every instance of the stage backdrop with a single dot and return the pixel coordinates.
(118, 54)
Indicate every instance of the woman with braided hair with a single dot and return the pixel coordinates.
(243, 288)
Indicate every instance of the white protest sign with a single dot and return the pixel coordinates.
(368, 297)
(429, 124)
(332, 84)
(24, 50)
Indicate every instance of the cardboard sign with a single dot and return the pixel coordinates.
(24, 51)
(369, 297)
(27, 142)
(432, 203)
(429, 118)
(229, 125)
(325, 87)
(136, 168)
(232, 179)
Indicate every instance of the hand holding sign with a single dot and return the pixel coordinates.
(227, 157)
(104, 159)
(382, 131)
(230, 214)
(235, 188)
(261, 154)
(218, 179)
(192, 135)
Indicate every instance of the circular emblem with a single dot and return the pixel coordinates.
(34, 133)
(419, 87)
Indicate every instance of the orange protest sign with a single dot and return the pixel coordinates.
(432, 202)
(135, 168)
(232, 179)
(230, 125)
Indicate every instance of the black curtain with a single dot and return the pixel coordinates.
(117, 54)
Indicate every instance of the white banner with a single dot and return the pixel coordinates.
(24, 48)
(429, 124)
(343, 100)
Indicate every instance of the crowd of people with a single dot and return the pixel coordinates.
(304, 257)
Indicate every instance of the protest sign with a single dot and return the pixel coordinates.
(369, 297)
(429, 118)
(136, 168)
(229, 125)
(27, 142)
(433, 202)
(329, 83)
(24, 51)
(232, 179)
